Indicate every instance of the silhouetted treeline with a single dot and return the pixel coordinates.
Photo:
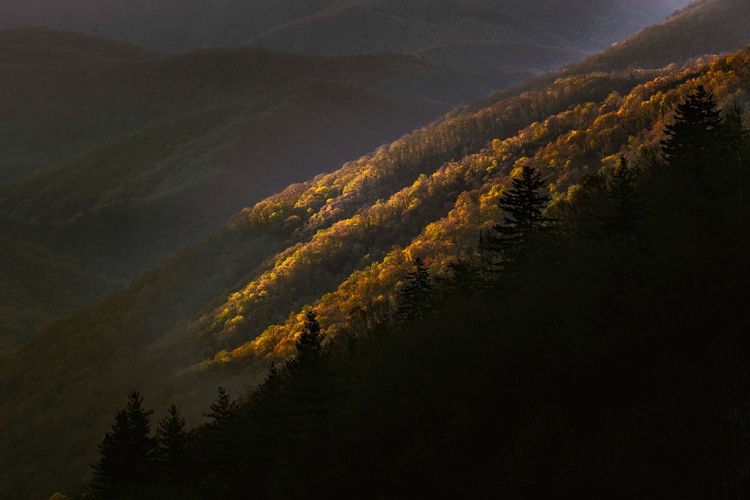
(596, 349)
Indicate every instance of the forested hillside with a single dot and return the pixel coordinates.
(201, 128)
(448, 321)
(116, 157)
(707, 26)
(594, 346)
(342, 244)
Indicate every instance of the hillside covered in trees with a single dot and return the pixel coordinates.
(116, 157)
(589, 334)
(592, 345)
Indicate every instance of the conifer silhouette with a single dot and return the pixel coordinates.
(172, 447)
(523, 205)
(127, 452)
(695, 136)
(415, 298)
(629, 207)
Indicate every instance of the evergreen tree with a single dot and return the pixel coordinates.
(627, 204)
(464, 278)
(310, 342)
(738, 138)
(172, 447)
(695, 137)
(523, 205)
(736, 133)
(127, 452)
(415, 298)
(272, 383)
(219, 452)
(223, 410)
(304, 428)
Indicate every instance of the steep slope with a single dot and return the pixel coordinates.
(116, 157)
(124, 205)
(686, 34)
(706, 26)
(340, 241)
(254, 277)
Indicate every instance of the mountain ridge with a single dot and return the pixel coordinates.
(568, 124)
(437, 186)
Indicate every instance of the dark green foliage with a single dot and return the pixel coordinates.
(271, 385)
(417, 295)
(737, 134)
(127, 452)
(305, 420)
(628, 205)
(700, 137)
(172, 454)
(310, 342)
(223, 410)
(218, 447)
(464, 278)
(523, 220)
(738, 137)
(524, 205)
(695, 136)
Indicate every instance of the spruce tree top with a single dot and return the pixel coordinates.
(223, 410)
(126, 453)
(310, 342)
(696, 130)
(524, 204)
(415, 298)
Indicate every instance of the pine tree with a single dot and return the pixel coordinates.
(219, 444)
(303, 424)
(223, 410)
(310, 342)
(172, 447)
(695, 137)
(272, 383)
(736, 133)
(464, 278)
(523, 205)
(127, 452)
(112, 471)
(628, 205)
(738, 138)
(415, 298)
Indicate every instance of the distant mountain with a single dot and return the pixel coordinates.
(219, 312)
(564, 29)
(708, 26)
(703, 27)
(115, 157)
(536, 35)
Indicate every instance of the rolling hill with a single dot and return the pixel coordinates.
(219, 312)
(116, 157)
(540, 34)
(679, 38)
